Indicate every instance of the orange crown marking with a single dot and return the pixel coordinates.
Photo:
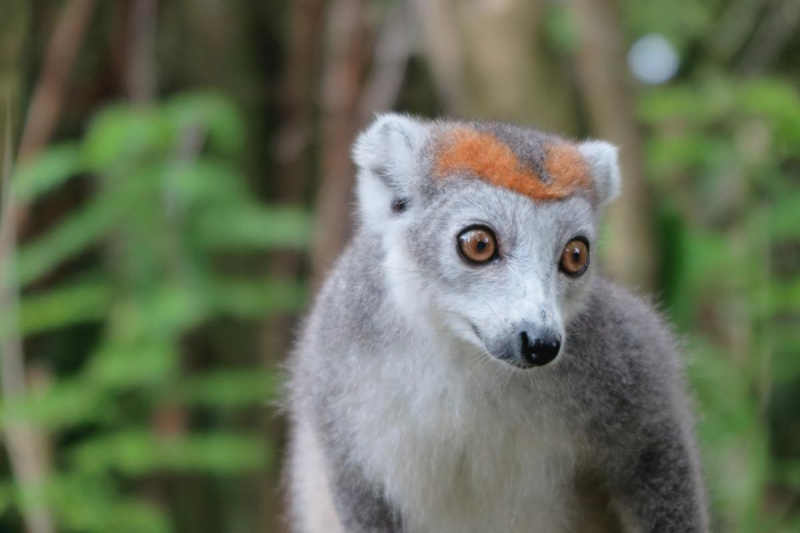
(482, 154)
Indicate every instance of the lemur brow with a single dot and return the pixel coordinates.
(464, 149)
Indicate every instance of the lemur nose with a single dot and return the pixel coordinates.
(540, 350)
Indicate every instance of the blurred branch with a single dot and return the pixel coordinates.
(604, 80)
(773, 33)
(26, 444)
(346, 64)
(14, 37)
(298, 96)
(361, 79)
(733, 28)
(392, 53)
(488, 62)
(48, 98)
(444, 49)
(140, 79)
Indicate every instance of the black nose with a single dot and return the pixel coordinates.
(540, 350)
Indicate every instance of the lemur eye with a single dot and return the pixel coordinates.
(477, 244)
(575, 258)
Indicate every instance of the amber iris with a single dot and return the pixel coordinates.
(478, 244)
(575, 257)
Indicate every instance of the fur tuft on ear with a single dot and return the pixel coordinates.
(388, 156)
(602, 160)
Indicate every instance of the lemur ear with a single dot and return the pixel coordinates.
(388, 156)
(602, 159)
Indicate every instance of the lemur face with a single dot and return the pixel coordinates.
(488, 229)
(505, 272)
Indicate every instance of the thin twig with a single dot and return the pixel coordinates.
(445, 49)
(298, 99)
(348, 102)
(734, 26)
(392, 53)
(771, 36)
(140, 71)
(347, 60)
(24, 442)
(48, 99)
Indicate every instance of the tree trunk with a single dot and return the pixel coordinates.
(14, 32)
(631, 256)
(346, 64)
(27, 446)
(298, 92)
(488, 62)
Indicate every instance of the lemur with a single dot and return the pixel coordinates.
(465, 368)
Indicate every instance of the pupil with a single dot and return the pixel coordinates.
(481, 246)
(576, 255)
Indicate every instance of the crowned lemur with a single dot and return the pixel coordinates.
(465, 369)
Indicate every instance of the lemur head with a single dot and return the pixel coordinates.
(488, 228)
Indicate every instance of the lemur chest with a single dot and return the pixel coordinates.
(460, 458)
(479, 488)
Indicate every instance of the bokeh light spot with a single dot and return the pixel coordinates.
(653, 59)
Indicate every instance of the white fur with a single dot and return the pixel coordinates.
(602, 158)
(465, 457)
(314, 510)
(462, 458)
(374, 199)
(390, 146)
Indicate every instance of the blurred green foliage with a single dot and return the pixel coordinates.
(722, 157)
(167, 212)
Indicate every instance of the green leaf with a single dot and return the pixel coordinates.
(779, 102)
(253, 299)
(211, 112)
(670, 154)
(148, 363)
(687, 104)
(137, 452)
(785, 363)
(784, 216)
(252, 227)
(63, 405)
(561, 31)
(787, 473)
(63, 307)
(208, 182)
(92, 503)
(229, 388)
(731, 433)
(71, 236)
(120, 133)
(48, 170)
(169, 310)
(133, 516)
(785, 296)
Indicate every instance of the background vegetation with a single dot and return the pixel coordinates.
(176, 177)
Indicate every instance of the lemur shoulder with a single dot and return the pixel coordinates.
(465, 368)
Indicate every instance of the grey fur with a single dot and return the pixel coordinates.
(610, 418)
